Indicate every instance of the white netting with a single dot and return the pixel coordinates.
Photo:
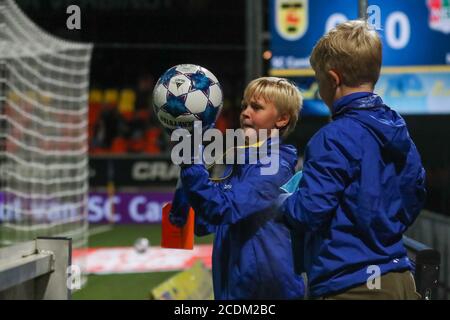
(43, 132)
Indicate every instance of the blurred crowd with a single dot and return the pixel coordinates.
(122, 120)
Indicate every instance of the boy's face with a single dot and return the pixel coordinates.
(259, 113)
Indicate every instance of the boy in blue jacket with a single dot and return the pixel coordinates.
(363, 181)
(252, 255)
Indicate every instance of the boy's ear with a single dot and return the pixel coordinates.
(282, 121)
(335, 77)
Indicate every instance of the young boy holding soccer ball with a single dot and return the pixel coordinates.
(252, 256)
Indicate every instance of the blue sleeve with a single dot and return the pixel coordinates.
(251, 193)
(202, 227)
(180, 210)
(412, 186)
(326, 172)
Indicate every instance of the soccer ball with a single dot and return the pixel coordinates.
(187, 93)
(141, 245)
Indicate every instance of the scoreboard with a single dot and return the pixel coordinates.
(416, 48)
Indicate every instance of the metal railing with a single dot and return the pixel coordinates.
(433, 230)
(36, 269)
(426, 263)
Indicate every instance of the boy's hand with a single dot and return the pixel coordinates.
(180, 204)
(195, 148)
(180, 208)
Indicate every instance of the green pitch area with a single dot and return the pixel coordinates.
(124, 286)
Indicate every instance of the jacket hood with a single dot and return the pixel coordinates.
(385, 125)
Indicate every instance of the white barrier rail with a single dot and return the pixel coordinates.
(36, 269)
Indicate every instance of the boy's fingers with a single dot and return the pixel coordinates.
(176, 220)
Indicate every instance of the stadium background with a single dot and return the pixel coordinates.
(134, 43)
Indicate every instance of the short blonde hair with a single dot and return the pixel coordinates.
(351, 48)
(282, 93)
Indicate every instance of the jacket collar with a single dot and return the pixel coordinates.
(357, 100)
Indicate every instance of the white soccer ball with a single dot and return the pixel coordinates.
(141, 245)
(187, 93)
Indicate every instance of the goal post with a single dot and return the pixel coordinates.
(44, 84)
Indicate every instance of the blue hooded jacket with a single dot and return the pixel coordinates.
(252, 254)
(362, 186)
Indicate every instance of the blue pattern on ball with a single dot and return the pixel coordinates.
(209, 115)
(165, 78)
(175, 105)
(201, 82)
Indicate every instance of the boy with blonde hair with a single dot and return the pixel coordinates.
(252, 256)
(363, 181)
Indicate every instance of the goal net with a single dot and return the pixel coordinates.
(43, 132)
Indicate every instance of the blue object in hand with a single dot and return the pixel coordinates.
(286, 191)
(292, 185)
